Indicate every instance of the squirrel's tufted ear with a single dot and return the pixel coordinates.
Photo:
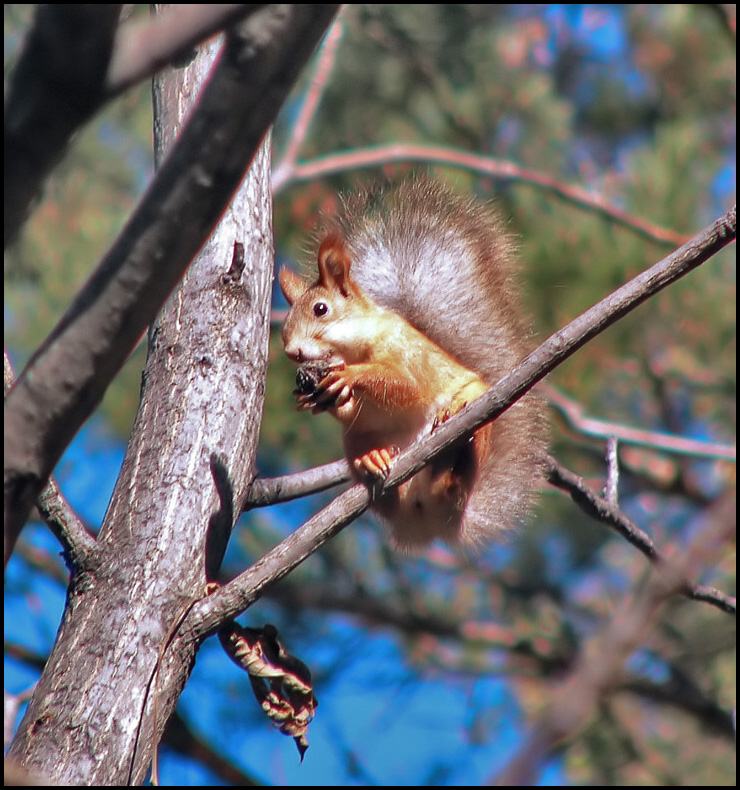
(334, 265)
(292, 286)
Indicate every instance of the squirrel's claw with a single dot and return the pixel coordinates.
(333, 390)
(307, 403)
(446, 413)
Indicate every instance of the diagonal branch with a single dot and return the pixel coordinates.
(68, 375)
(75, 59)
(240, 593)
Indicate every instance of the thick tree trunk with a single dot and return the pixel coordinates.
(189, 460)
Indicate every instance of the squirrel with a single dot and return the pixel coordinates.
(416, 313)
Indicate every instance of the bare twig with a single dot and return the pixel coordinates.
(69, 529)
(608, 513)
(283, 171)
(611, 490)
(656, 440)
(266, 491)
(599, 508)
(497, 168)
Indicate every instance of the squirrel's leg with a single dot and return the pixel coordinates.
(454, 473)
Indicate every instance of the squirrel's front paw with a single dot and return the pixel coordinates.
(334, 390)
(377, 463)
(320, 388)
(307, 379)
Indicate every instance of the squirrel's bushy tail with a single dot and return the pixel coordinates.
(447, 264)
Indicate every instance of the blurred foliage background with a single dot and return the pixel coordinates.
(431, 670)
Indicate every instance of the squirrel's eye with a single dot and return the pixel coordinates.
(320, 308)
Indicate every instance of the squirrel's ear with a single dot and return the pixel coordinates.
(292, 286)
(334, 265)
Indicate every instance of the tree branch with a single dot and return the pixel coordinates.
(68, 375)
(140, 49)
(283, 171)
(80, 546)
(656, 440)
(266, 491)
(57, 84)
(601, 509)
(611, 489)
(497, 168)
(75, 59)
(78, 543)
(682, 692)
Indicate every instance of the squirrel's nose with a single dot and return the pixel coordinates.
(294, 352)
